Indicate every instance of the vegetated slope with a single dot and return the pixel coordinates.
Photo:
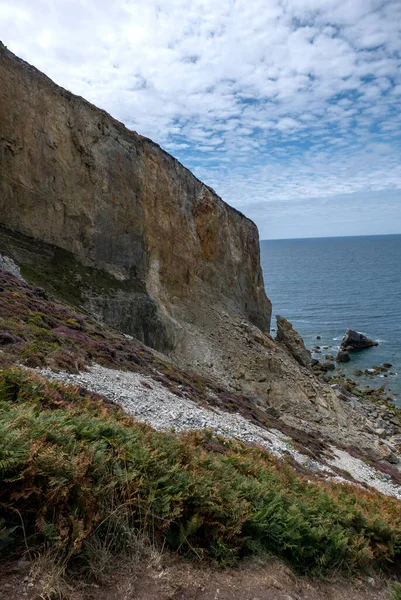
(39, 332)
(75, 470)
(73, 467)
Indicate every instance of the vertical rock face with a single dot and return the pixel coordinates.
(291, 339)
(108, 220)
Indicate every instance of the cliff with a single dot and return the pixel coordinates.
(105, 219)
(111, 200)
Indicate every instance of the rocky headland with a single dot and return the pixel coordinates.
(107, 221)
(125, 278)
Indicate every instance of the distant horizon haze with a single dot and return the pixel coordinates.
(324, 237)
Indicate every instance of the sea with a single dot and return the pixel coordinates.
(325, 285)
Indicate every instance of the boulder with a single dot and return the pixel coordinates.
(343, 356)
(291, 339)
(327, 365)
(323, 366)
(6, 339)
(7, 264)
(342, 393)
(353, 340)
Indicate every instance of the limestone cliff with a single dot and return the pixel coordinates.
(149, 237)
(108, 221)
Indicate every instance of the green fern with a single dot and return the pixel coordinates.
(75, 472)
(6, 534)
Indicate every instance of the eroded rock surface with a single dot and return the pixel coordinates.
(7, 264)
(288, 336)
(135, 234)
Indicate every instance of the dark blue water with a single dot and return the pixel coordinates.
(323, 286)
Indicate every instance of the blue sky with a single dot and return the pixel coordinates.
(289, 109)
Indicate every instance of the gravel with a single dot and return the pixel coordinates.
(364, 473)
(151, 402)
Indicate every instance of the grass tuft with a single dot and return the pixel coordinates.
(49, 572)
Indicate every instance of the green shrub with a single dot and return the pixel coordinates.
(73, 470)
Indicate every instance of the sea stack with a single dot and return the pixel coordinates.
(353, 340)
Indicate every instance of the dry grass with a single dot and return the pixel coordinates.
(48, 572)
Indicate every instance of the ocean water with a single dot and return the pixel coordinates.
(325, 285)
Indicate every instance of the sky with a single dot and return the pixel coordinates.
(289, 109)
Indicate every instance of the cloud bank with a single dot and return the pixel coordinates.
(290, 109)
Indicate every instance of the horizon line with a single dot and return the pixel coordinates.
(328, 237)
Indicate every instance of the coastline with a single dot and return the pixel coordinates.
(326, 285)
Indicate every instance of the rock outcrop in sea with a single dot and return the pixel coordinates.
(353, 340)
(343, 356)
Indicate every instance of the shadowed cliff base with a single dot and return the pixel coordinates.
(123, 304)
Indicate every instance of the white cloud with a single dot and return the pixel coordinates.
(268, 101)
